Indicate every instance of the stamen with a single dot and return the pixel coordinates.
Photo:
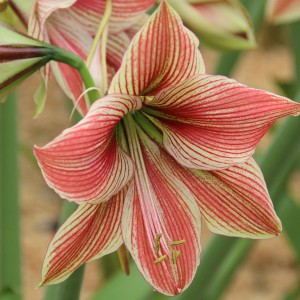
(176, 243)
(160, 259)
(157, 242)
(147, 99)
(175, 255)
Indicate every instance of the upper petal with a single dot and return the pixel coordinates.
(161, 223)
(85, 162)
(90, 232)
(162, 53)
(212, 122)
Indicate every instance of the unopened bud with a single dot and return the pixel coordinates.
(20, 56)
(223, 24)
(3, 5)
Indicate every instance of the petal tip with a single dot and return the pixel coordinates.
(40, 284)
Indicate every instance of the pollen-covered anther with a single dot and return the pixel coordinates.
(160, 259)
(157, 242)
(174, 256)
(147, 99)
(177, 243)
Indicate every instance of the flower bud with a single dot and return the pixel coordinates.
(3, 5)
(222, 24)
(20, 56)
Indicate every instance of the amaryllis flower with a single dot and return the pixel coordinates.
(283, 11)
(72, 25)
(224, 24)
(167, 145)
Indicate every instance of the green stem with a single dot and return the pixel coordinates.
(10, 263)
(76, 62)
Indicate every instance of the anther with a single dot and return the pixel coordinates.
(160, 259)
(157, 242)
(176, 243)
(174, 256)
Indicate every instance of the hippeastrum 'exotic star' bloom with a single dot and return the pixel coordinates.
(167, 145)
(224, 24)
(72, 25)
(20, 56)
(283, 11)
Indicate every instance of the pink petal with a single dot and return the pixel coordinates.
(159, 210)
(163, 52)
(124, 13)
(85, 163)
(212, 122)
(235, 201)
(91, 232)
(117, 45)
(40, 11)
(283, 11)
(60, 28)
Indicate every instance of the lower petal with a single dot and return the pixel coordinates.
(86, 163)
(235, 201)
(161, 223)
(92, 231)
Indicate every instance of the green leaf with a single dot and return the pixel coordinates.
(120, 286)
(290, 218)
(39, 97)
(10, 264)
(288, 88)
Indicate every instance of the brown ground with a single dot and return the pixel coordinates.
(269, 271)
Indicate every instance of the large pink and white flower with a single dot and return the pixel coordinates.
(72, 25)
(167, 145)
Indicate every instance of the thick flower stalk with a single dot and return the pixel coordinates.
(221, 24)
(72, 25)
(283, 11)
(20, 57)
(167, 145)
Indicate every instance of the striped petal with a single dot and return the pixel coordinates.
(283, 11)
(85, 163)
(163, 52)
(161, 222)
(117, 45)
(212, 122)
(235, 201)
(91, 232)
(40, 11)
(124, 14)
(89, 13)
(60, 29)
